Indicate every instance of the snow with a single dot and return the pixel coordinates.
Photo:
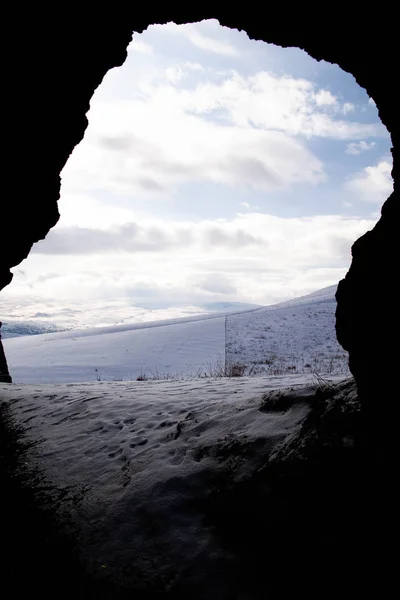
(89, 355)
(133, 461)
(297, 336)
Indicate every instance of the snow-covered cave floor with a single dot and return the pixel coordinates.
(128, 469)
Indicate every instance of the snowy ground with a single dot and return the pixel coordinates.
(292, 337)
(297, 336)
(128, 466)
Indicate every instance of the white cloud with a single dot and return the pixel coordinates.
(207, 36)
(253, 257)
(153, 147)
(174, 74)
(374, 183)
(84, 210)
(193, 66)
(270, 102)
(137, 45)
(348, 107)
(325, 98)
(150, 237)
(217, 283)
(359, 147)
(209, 44)
(167, 134)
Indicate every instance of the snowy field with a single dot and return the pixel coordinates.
(154, 351)
(297, 336)
(292, 337)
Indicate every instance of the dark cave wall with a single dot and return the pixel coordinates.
(51, 78)
(55, 62)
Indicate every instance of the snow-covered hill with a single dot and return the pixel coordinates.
(297, 336)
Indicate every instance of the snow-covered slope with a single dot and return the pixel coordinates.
(294, 336)
(158, 350)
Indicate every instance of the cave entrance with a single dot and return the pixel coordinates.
(217, 173)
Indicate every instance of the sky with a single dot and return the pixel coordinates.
(214, 168)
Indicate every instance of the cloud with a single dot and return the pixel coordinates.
(46, 276)
(374, 183)
(222, 127)
(239, 238)
(359, 147)
(217, 283)
(252, 257)
(325, 98)
(137, 148)
(129, 237)
(133, 238)
(284, 103)
(137, 45)
(205, 35)
(209, 44)
(348, 107)
(174, 74)
(190, 245)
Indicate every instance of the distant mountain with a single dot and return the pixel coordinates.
(20, 328)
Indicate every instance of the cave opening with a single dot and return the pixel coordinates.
(217, 173)
(319, 517)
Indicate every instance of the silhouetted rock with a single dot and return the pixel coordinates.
(4, 374)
